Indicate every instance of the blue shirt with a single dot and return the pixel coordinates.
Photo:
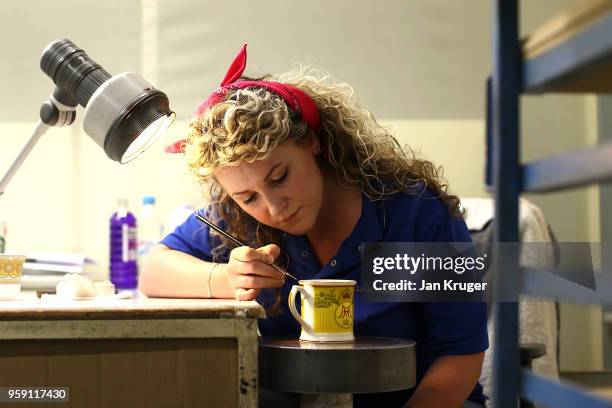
(438, 328)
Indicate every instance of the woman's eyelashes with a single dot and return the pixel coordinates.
(281, 178)
(275, 182)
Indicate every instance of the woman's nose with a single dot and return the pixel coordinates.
(277, 206)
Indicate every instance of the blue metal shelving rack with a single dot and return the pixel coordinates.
(562, 69)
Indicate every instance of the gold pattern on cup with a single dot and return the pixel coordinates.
(333, 309)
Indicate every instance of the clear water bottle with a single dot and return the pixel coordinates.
(2, 237)
(123, 257)
(178, 216)
(150, 228)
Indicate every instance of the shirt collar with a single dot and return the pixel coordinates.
(372, 223)
(369, 228)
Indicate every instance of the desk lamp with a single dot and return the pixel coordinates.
(124, 114)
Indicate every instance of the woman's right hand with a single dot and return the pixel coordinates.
(249, 271)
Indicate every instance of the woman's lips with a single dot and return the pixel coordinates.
(290, 218)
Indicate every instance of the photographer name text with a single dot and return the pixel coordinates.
(425, 286)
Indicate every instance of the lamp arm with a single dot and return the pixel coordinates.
(59, 110)
(39, 130)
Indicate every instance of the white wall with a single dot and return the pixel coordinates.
(455, 144)
(39, 204)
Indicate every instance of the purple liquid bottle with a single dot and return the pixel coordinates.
(123, 248)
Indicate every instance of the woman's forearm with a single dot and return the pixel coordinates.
(448, 382)
(170, 273)
(426, 398)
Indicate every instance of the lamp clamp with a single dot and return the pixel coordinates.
(59, 110)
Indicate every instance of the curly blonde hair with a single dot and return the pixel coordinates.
(251, 122)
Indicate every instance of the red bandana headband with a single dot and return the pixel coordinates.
(295, 98)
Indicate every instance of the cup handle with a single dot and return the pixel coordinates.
(292, 308)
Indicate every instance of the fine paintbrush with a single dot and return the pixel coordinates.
(237, 242)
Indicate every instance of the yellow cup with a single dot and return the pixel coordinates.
(11, 267)
(326, 309)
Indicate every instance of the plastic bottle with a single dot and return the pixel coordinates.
(178, 216)
(2, 237)
(123, 266)
(150, 228)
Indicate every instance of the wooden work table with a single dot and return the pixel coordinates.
(141, 352)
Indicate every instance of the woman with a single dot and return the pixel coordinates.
(304, 175)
